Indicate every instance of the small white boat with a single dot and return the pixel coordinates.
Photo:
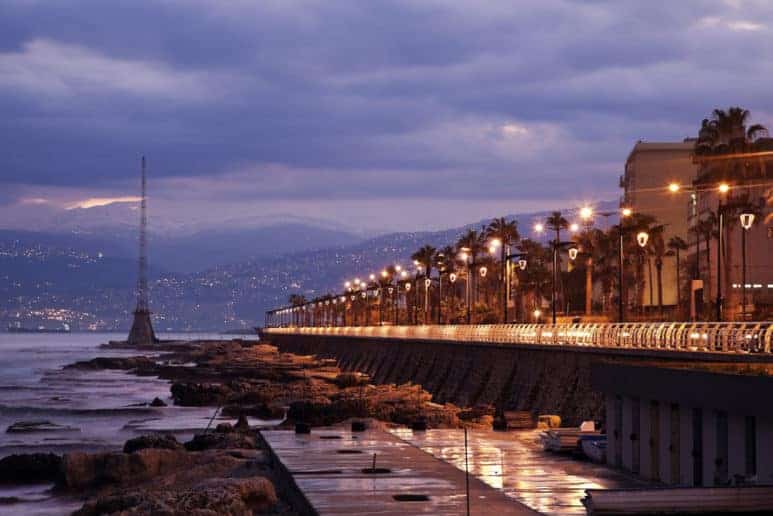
(566, 439)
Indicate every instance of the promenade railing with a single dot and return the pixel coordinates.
(704, 337)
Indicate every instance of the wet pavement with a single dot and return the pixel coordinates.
(514, 463)
(327, 467)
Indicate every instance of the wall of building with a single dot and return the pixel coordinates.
(650, 168)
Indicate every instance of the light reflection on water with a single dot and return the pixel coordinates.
(515, 463)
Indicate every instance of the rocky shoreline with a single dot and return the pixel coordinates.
(224, 470)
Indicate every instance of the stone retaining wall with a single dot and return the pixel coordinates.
(544, 381)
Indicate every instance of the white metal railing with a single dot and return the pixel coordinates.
(704, 337)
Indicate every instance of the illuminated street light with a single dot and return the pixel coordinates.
(586, 213)
(483, 271)
(398, 267)
(574, 227)
(522, 264)
(496, 242)
(572, 253)
(537, 313)
(723, 188)
(372, 277)
(427, 283)
(348, 285)
(539, 227)
(384, 273)
(452, 277)
(642, 238)
(674, 187)
(403, 274)
(747, 219)
(626, 212)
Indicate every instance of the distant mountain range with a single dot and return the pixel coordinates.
(204, 280)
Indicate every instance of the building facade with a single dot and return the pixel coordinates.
(649, 170)
(688, 427)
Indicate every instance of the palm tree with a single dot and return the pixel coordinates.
(675, 246)
(657, 248)
(473, 243)
(506, 231)
(587, 244)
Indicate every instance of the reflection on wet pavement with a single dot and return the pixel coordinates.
(515, 463)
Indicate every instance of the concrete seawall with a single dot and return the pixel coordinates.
(545, 381)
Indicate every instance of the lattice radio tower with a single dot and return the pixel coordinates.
(142, 328)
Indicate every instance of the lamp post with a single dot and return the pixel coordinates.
(557, 245)
(722, 189)
(642, 238)
(521, 257)
(624, 214)
(465, 256)
(452, 278)
(747, 219)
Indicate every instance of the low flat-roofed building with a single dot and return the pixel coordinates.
(703, 425)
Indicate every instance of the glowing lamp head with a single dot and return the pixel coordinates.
(391, 290)
(574, 227)
(483, 271)
(586, 213)
(496, 242)
(539, 227)
(537, 313)
(463, 255)
(522, 264)
(407, 287)
(452, 277)
(492, 249)
(572, 253)
(747, 219)
(427, 283)
(403, 274)
(384, 273)
(626, 212)
(398, 267)
(416, 262)
(372, 277)
(723, 188)
(364, 294)
(642, 238)
(674, 187)
(348, 284)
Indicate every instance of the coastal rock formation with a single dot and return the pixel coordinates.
(223, 440)
(82, 470)
(164, 441)
(39, 426)
(124, 363)
(30, 468)
(236, 497)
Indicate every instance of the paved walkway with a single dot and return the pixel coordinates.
(327, 468)
(514, 463)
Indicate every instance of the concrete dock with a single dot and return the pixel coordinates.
(329, 468)
(515, 463)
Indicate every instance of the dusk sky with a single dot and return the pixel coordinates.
(371, 114)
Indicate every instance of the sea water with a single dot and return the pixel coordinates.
(97, 410)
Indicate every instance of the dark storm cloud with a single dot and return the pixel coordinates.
(352, 99)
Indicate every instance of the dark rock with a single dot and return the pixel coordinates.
(224, 428)
(39, 426)
(157, 402)
(262, 411)
(242, 425)
(124, 363)
(162, 441)
(199, 394)
(220, 441)
(30, 468)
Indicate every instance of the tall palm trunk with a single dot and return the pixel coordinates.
(651, 286)
(589, 286)
(659, 269)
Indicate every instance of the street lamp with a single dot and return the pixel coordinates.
(723, 188)
(573, 253)
(642, 238)
(747, 219)
(586, 213)
(625, 213)
(465, 256)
